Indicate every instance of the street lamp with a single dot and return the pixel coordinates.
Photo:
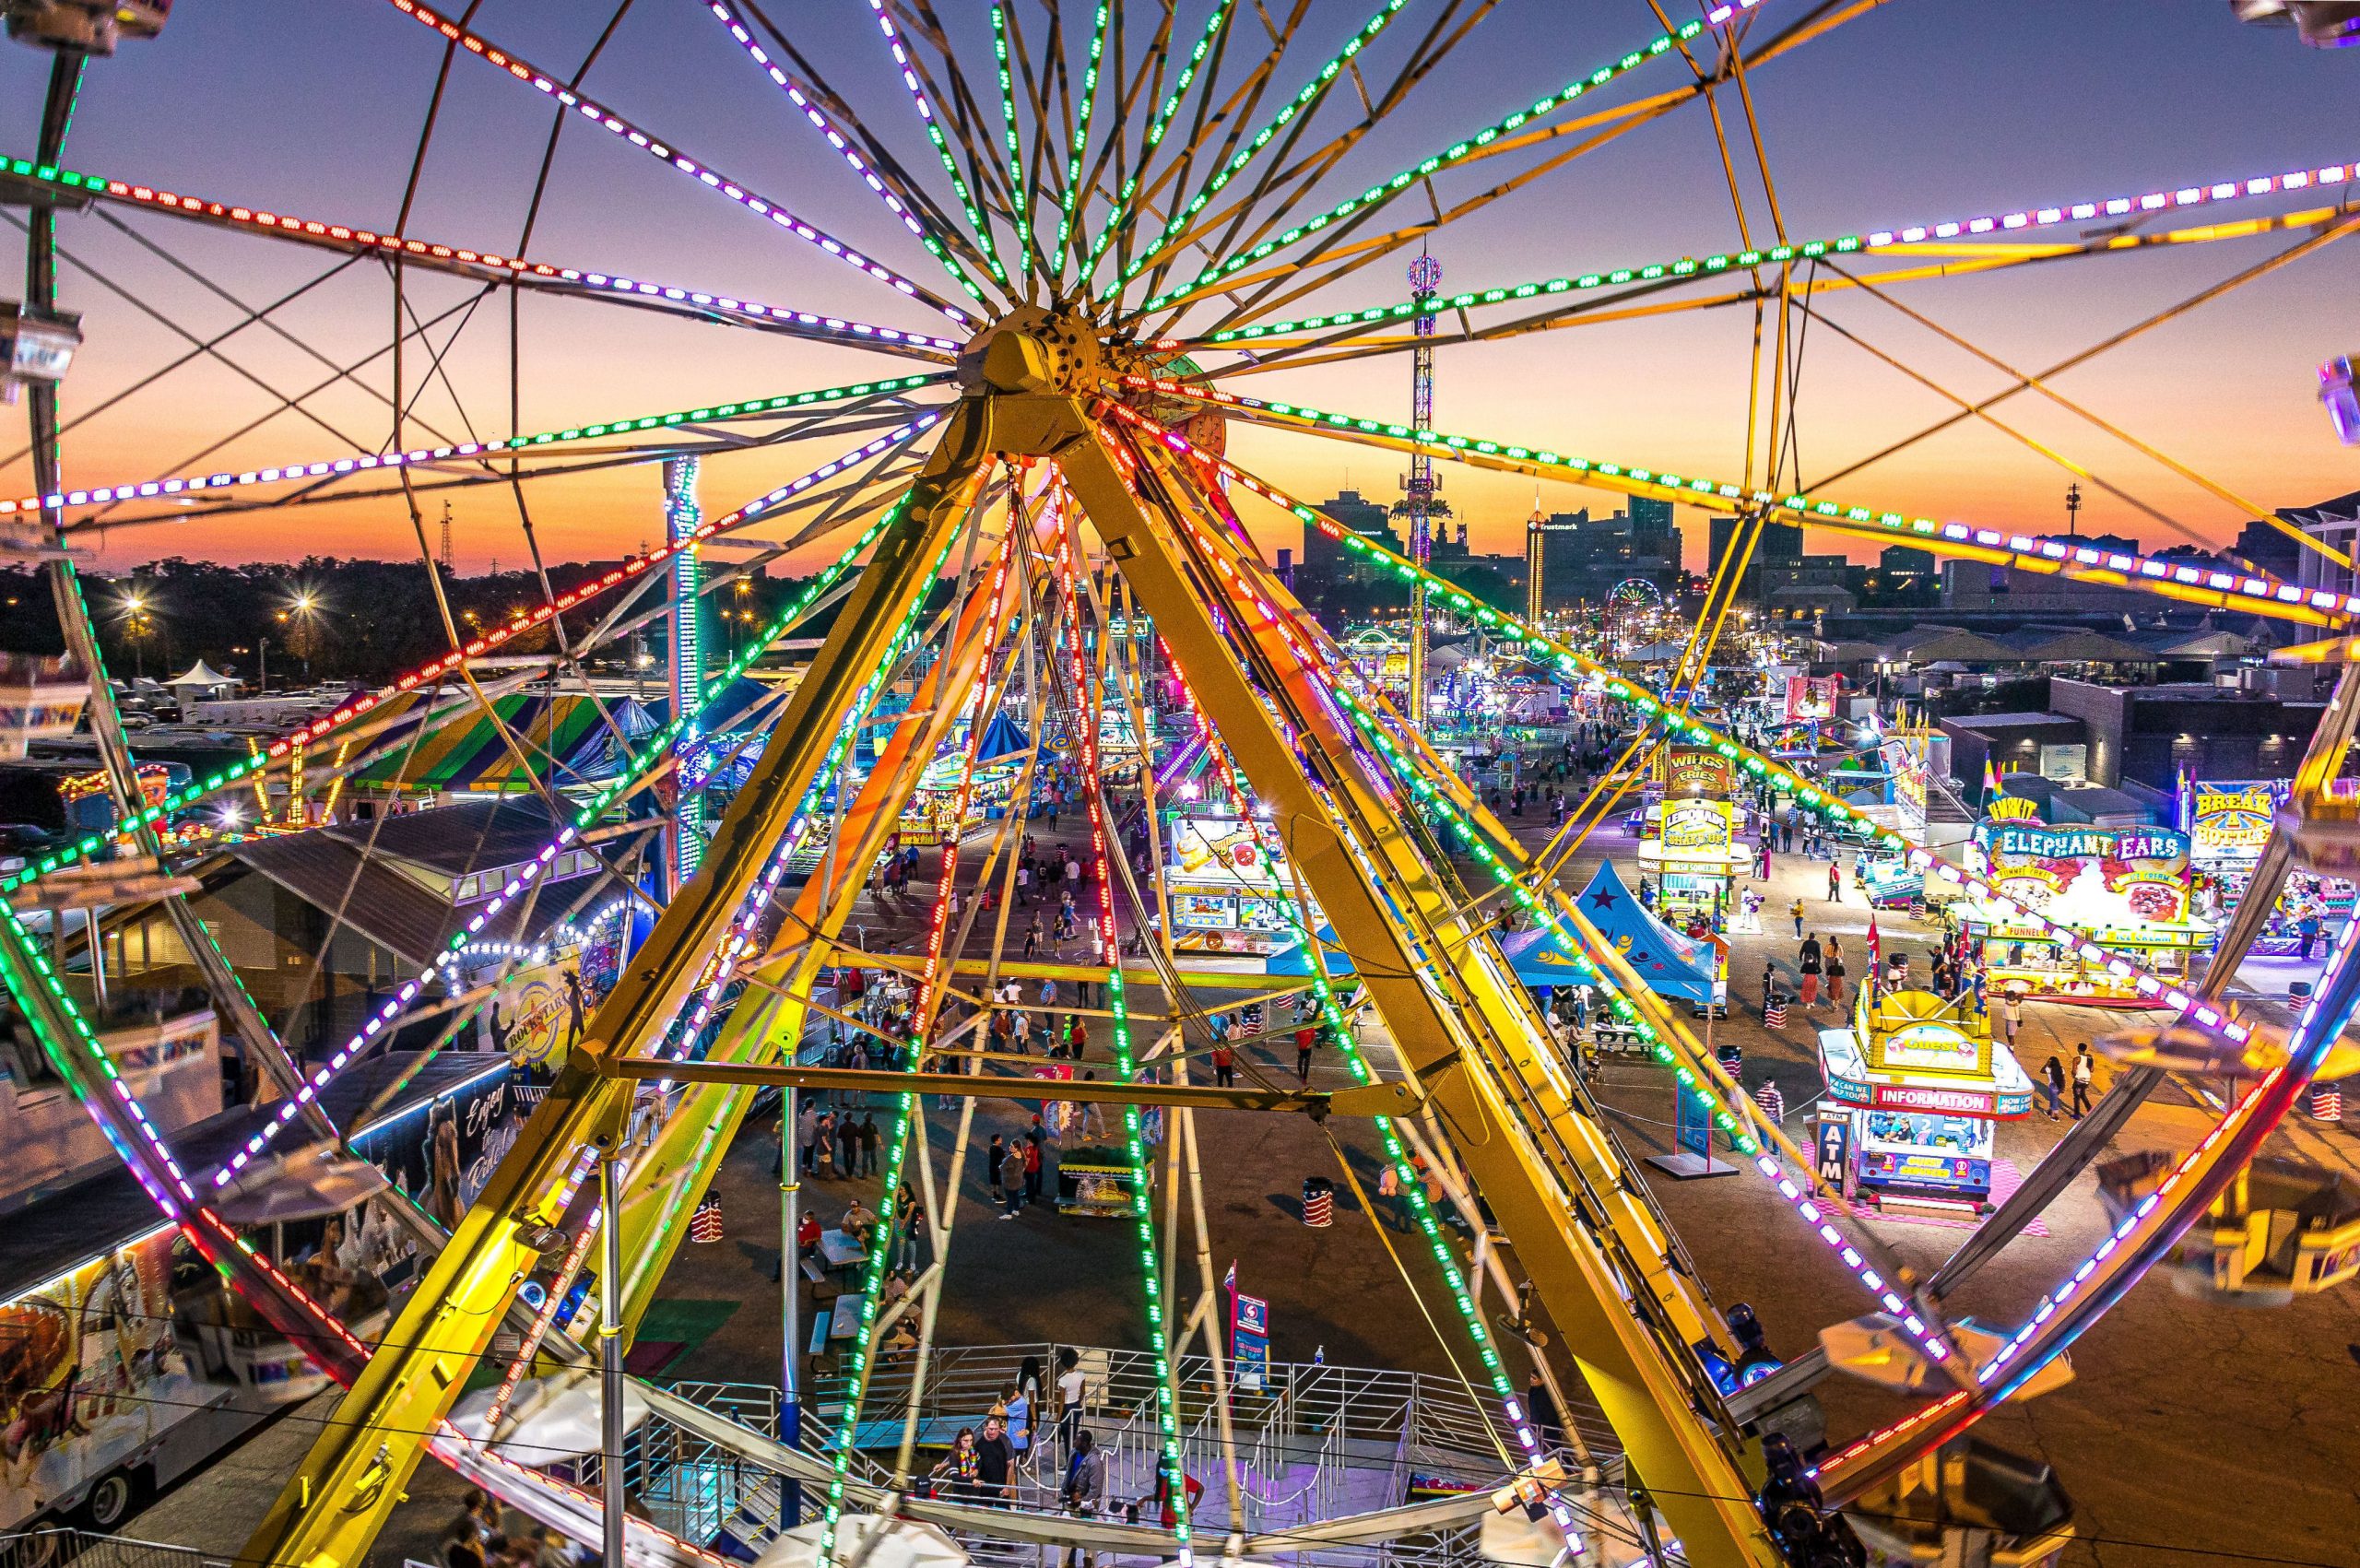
(136, 623)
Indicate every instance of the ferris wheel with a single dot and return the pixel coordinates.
(1099, 226)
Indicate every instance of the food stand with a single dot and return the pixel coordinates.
(2122, 890)
(1224, 899)
(1926, 1093)
(1688, 840)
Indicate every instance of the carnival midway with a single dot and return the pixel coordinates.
(949, 969)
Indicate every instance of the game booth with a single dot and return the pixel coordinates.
(1923, 1091)
(2227, 821)
(1688, 839)
(2124, 889)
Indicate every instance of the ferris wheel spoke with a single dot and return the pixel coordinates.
(1230, 161)
(1900, 240)
(917, 83)
(364, 460)
(1079, 136)
(900, 198)
(704, 174)
(1118, 222)
(1341, 260)
(1280, 184)
(970, 121)
(1376, 196)
(68, 187)
(1176, 169)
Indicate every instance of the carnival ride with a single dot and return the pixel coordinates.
(1114, 222)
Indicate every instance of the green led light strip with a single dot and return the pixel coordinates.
(941, 145)
(1080, 149)
(1302, 101)
(1156, 128)
(1376, 196)
(1022, 198)
(872, 1277)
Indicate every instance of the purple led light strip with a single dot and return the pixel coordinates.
(597, 114)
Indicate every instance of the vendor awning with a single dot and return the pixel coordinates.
(1672, 964)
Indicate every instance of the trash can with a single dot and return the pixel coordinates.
(1319, 1202)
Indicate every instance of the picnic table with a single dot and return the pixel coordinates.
(845, 1321)
(840, 1249)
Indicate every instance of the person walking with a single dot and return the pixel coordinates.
(2085, 1074)
(1388, 1195)
(848, 1145)
(1807, 965)
(1306, 1039)
(995, 1162)
(1835, 967)
(1031, 1153)
(2012, 1017)
(806, 1135)
(1796, 908)
(1224, 1061)
(1835, 881)
(2052, 1085)
(870, 1141)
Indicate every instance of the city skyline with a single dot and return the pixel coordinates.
(2011, 106)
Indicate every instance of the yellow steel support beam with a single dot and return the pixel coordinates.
(333, 1506)
(1602, 1263)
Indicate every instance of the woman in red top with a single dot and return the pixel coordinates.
(1305, 1039)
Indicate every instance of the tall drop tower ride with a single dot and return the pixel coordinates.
(1421, 503)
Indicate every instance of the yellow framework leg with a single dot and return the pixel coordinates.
(1467, 1030)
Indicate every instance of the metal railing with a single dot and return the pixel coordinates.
(1315, 1442)
(51, 1547)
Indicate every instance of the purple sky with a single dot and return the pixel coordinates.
(1921, 110)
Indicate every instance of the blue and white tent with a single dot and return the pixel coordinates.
(1672, 964)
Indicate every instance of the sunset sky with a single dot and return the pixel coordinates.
(1923, 109)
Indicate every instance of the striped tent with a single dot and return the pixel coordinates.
(562, 735)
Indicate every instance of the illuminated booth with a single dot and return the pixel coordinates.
(1926, 1093)
(2123, 890)
(1225, 894)
(2227, 822)
(1688, 840)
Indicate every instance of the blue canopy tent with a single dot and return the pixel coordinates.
(1295, 961)
(1672, 964)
